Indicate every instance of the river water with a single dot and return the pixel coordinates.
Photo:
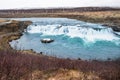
(72, 39)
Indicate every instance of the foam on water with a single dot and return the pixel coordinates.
(89, 34)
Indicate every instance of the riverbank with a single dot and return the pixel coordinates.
(18, 66)
(11, 31)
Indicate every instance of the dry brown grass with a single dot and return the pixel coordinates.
(64, 74)
(17, 66)
(95, 14)
(101, 14)
(2, 20)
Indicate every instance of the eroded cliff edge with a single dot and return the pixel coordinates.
(11, 30)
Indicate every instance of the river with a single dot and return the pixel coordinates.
(72, 39)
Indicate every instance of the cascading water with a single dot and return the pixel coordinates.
(89, 34)
(73, 39)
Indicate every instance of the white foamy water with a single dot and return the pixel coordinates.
(86, 33)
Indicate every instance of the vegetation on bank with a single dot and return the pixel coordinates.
(15, 65)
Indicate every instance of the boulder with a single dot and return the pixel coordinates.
(47, 40)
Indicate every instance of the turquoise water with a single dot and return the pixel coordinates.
(72, 39)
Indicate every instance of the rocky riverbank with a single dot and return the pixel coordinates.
(11, 31)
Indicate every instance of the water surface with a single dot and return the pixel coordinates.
(73, 39)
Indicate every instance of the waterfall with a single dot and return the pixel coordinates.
(85, 33)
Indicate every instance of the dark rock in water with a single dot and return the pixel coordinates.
(109, 59)
(105, 25)
(47, 40)
(117, 33)
(59, 26)
(97, 29)
(79, 58)
(114, 27)
(41, 52)
(35, 24)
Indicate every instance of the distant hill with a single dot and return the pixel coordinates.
(57, 10)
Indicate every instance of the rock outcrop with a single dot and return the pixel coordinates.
(14, 26)
(47, 40)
